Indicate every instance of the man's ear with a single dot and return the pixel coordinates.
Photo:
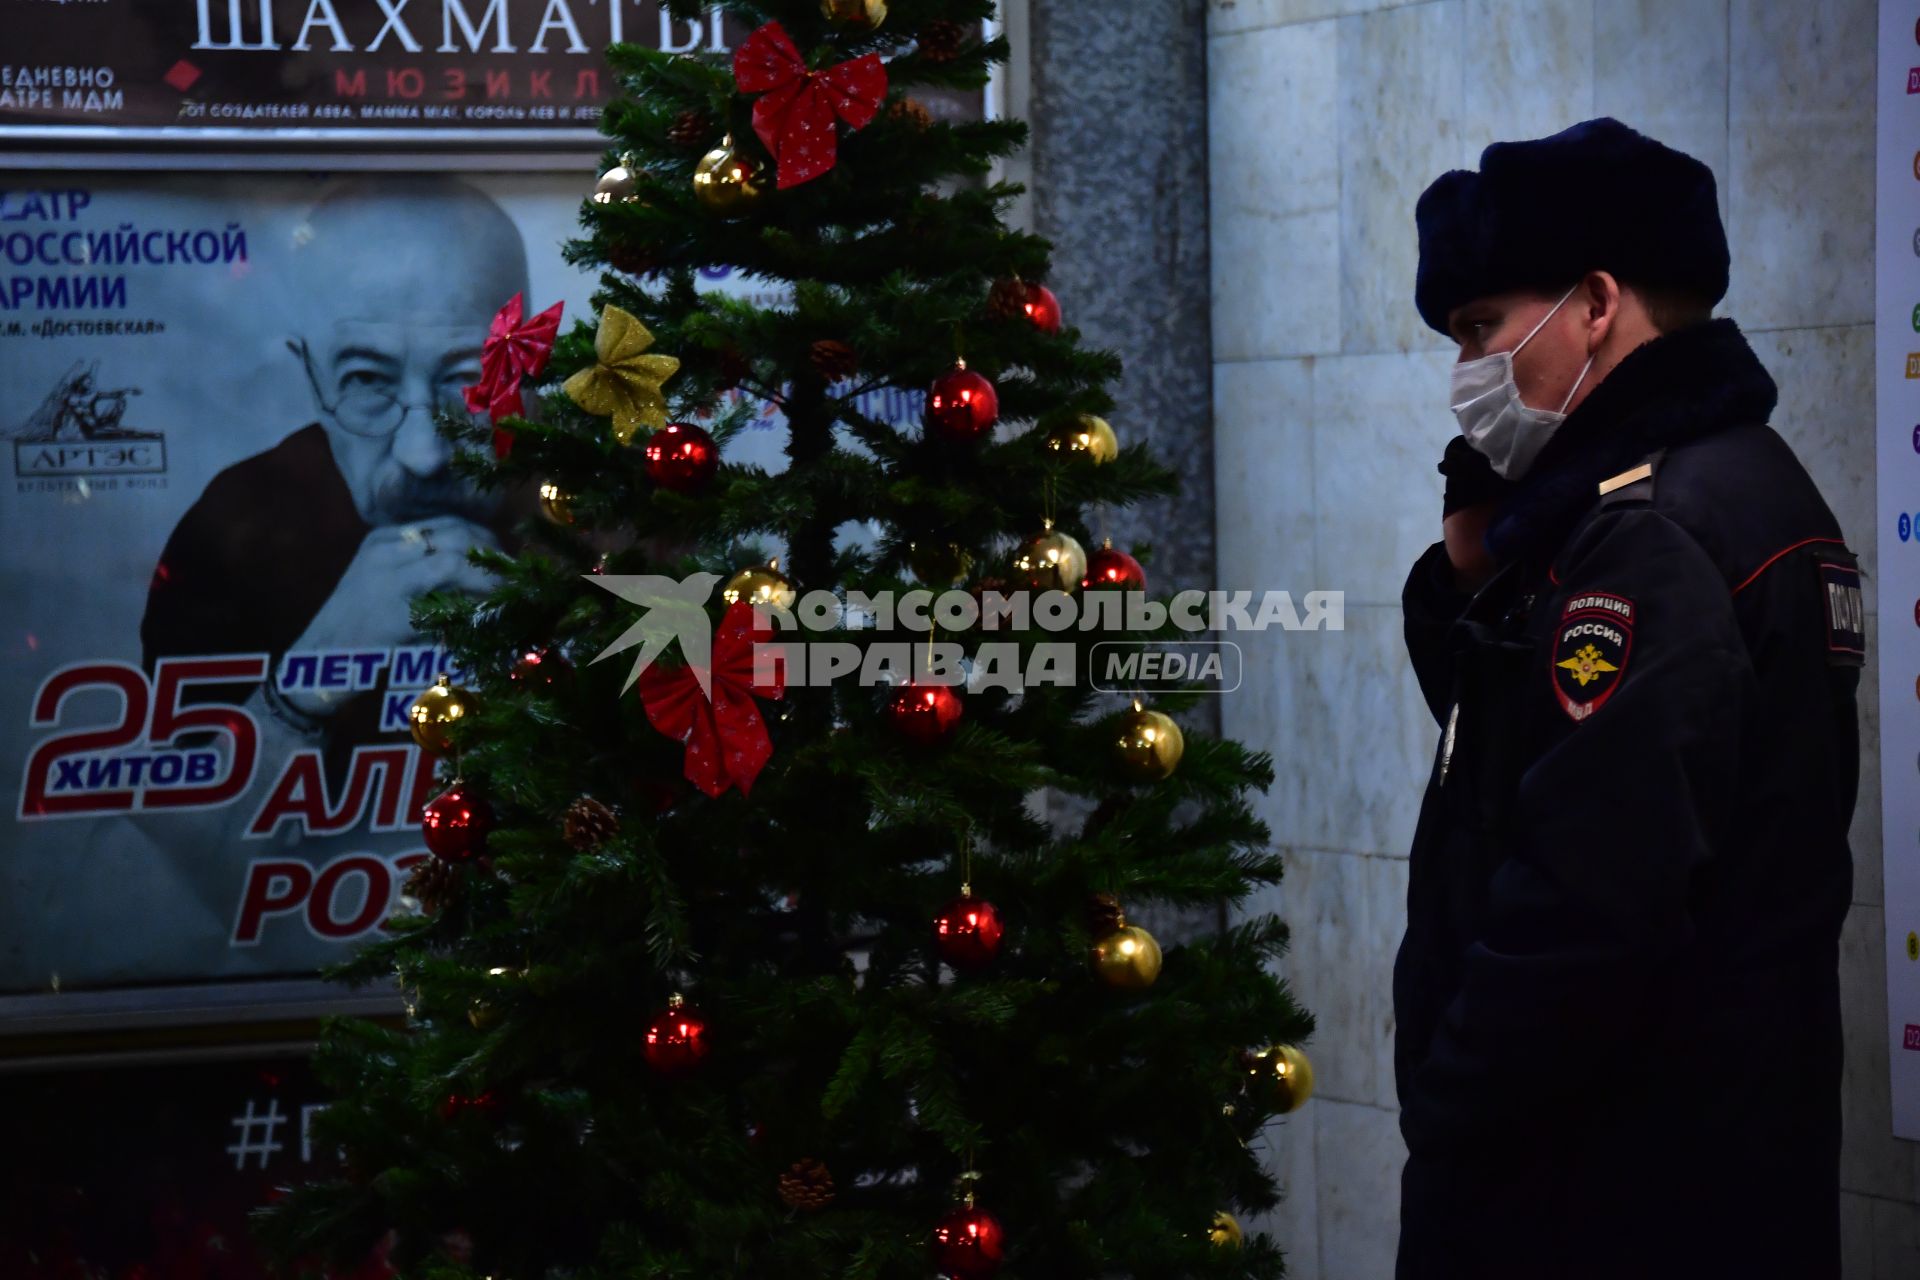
(1602, 297)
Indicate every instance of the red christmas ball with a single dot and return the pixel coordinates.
(676, 1039)
(486, 1102)
(541, 666)
(969, 1244)
(1042, 308)
(967, 932)
(456, 823)
(657, 795)
(1110, 569)
(681, 457)
(962, 405)
(924, 713)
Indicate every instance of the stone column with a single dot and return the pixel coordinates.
(1117, 99)
(1116, 94)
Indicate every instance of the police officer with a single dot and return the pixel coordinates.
(1617, 1000)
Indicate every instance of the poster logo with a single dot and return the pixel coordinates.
(80, 429)
(1913, 364)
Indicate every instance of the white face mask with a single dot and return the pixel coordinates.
(1492, 416)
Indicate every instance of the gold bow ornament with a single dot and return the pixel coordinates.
(624, 381)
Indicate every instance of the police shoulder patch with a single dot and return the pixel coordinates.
(1590, 648)
(1846, 611)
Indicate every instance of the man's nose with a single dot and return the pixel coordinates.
(418, 445)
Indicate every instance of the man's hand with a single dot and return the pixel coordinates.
(1465, 532)
(371, 606)
(1473, 491)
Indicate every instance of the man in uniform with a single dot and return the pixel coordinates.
(1617, 1000)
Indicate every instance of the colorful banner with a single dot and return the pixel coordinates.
(1897, 361)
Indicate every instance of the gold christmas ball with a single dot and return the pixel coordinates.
(761, 584)
(1051, 560)
(483, 1013)
(435, 712)
(1226, 1231)
(618, 185)
(939, 564)
(556, 504)
(1148, 745)
(863, 14)
(727, 182)
(1283, 1075)
(1127, 958)
(1085, 437)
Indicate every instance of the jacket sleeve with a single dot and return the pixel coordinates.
(1430, 604)
(1611, 821)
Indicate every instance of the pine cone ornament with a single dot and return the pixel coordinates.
(589, 824)
(732, 366)
(1007, 300)
(940, 40)
(1104, 914)
(807, 1186)
(690, 129)
(434, 883)
(635, 260)
(833, 359)
(908, 111)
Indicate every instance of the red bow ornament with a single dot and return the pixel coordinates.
(726, 739)
(512, 351)
(796, 117)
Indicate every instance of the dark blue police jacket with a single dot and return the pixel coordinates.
(1618, 1046)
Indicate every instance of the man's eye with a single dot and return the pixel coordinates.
(355, 379)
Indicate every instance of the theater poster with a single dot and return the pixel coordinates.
(217, 380)
(223, 485)
(182, 76)
(191, 72)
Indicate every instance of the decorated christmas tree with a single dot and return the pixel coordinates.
(727, 965)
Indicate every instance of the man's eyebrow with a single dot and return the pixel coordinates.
(460, 355)
(372, 354)
(1470, 315)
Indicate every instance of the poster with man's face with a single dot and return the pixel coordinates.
(217, 401)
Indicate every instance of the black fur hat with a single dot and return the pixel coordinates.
(1540, 214)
